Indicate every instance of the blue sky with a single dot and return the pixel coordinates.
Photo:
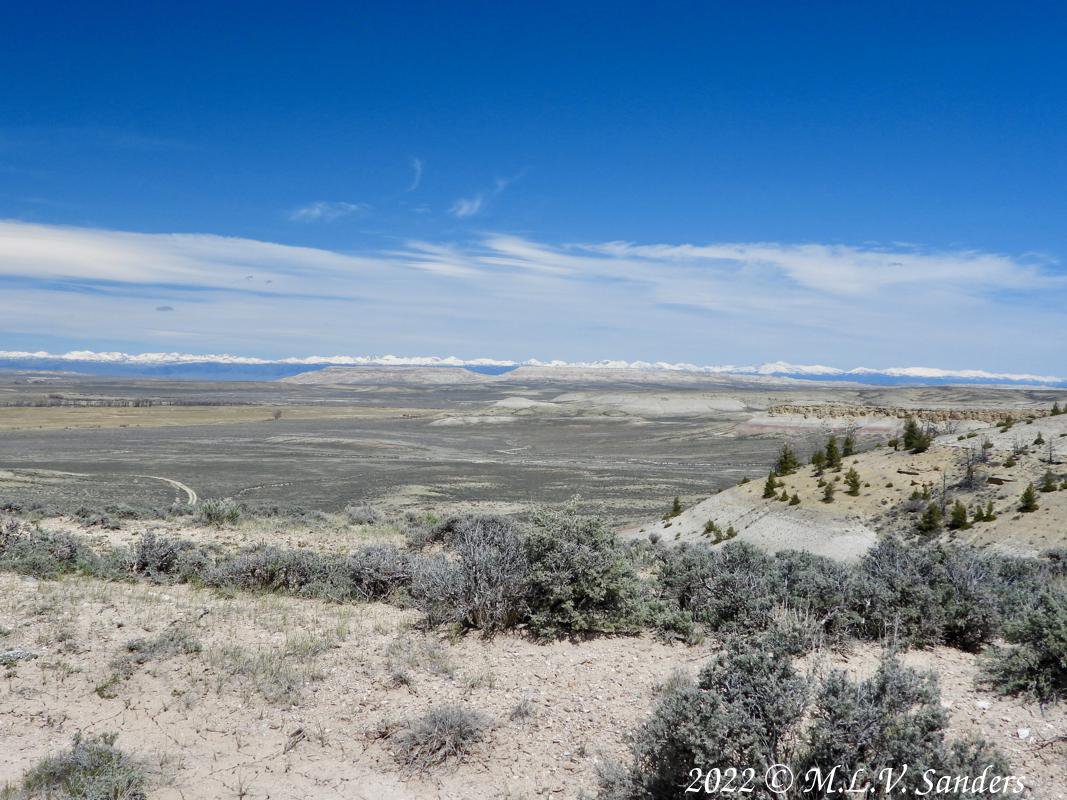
(841, 183)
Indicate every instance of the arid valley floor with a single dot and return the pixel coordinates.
(286, 696)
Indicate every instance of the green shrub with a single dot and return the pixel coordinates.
(49, 554)
(817, 587)
(363, 515)
(738, 712)
(272, 569)
(485, 585)
(92, 769)
(377, 572)
(580, 580)
(893, 718)
(725, 589)
(895, 597)
(746, 710)
(218, 513)
(928, 594)
(967, 586)
(160, 557)
(1036, 665)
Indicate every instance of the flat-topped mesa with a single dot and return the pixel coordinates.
(834, 410)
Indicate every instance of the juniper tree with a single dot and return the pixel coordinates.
(1048, 482)
(852, 478)
(990, 514)
(833, 454)
(794, 500)
(818, 460)
(930, 522)
(916, 439)
(787, 462)
(785, 496)
(958, 519)
(770, 488)
(1056, 410)
(1039, 440)
(1028, 501)
(828, 493)
(848, 447)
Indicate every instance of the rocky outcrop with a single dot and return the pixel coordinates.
(841, 410)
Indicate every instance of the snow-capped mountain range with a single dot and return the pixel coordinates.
(227, 366)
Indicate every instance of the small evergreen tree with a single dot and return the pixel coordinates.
(770, 488)
(958, 518)
(852, 478)
(848, 447)
(818, 460)
(1056, 410)
(930, 522)
(894, 443)
(787, 462)
(785, 496)
(1028, 502)
(916, 439)
(1039, 440)
(833, 454)
(1048, 483)
(990, 514)
(794, 500)
(828, 493)
(676, 509)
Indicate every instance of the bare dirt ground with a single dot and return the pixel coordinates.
(293, 698)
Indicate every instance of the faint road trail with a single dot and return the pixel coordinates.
(189, 493)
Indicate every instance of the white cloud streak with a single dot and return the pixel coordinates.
(470, 206)
(467, 206)
(509, 297)
(416, 174)
(324, 211)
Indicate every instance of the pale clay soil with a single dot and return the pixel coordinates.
(207, 729)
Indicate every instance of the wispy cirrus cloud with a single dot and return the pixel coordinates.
(416, 174)
(465, 207)
(511, 296)
(324, 211)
